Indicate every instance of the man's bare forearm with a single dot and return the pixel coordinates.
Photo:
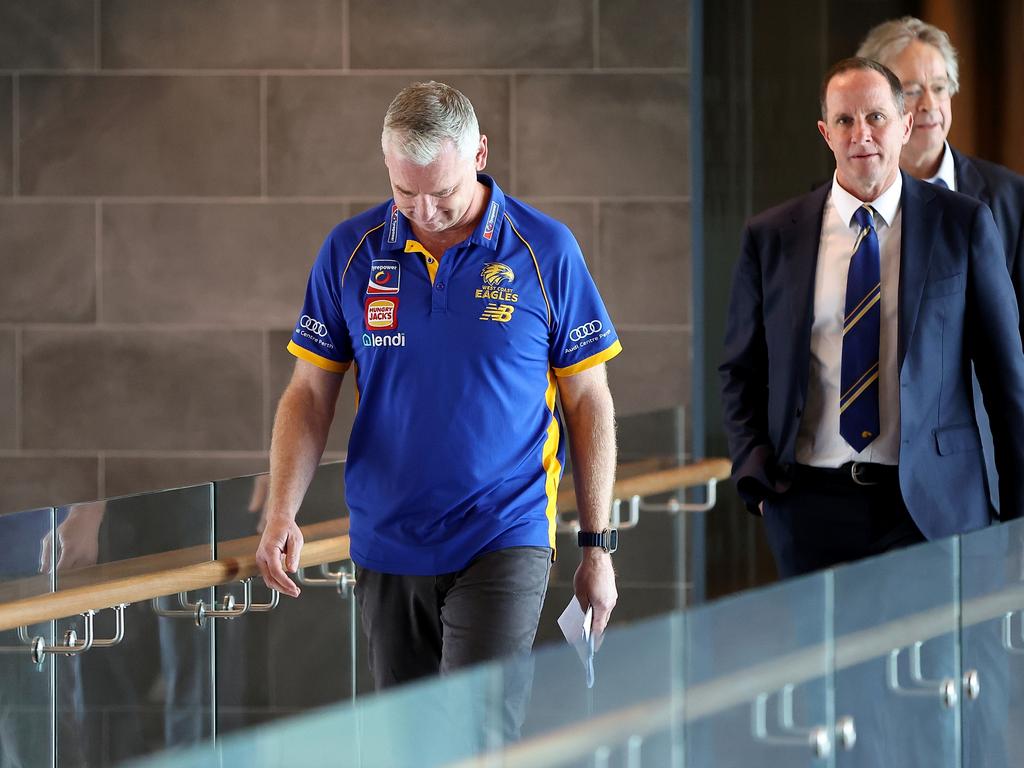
(590, 416)
(591, 423)
(300, 434)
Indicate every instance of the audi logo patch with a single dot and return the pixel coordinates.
(587, 329)
(313, 326)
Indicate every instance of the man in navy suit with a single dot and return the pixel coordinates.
(856, 313)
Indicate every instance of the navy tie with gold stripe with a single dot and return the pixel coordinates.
(858, 401)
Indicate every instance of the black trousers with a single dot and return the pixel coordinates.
(825, 518)
(417, 626)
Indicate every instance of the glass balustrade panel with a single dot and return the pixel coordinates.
(897, 657)
(153, 688)
(439, 722)
(298, 655)
(992, 645)
(532, 712)
(757, 677)
(26, 677)
(618, 702)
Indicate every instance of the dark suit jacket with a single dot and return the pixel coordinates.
(1002, 190)
(956, 305)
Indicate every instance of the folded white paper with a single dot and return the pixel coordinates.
(575, 625)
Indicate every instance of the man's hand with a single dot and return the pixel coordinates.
(258, 500)
(77, 538)
(594, 584)
(282, 540)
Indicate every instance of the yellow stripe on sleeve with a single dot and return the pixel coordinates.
(591, 361)
(320, 362)
(549, 460)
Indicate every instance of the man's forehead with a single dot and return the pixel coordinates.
(435, 176)
(922, 58)
(861, 90)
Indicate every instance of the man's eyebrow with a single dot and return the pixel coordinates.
(449, 188)
(915, 81)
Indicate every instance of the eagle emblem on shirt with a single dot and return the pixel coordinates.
(494, 273)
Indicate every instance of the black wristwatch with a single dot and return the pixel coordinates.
(608, 539)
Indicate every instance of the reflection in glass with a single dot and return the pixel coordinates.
(992, 645)
(901, 720)
(26, 688)
(303, 649)
(745, 705)
(153, 690)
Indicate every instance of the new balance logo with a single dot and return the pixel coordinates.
(499, 313)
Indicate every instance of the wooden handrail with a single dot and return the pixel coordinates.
(659, 481)
(166, 573)
(191, 568)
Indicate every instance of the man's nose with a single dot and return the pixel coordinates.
(927, 100)
(425, 207)
(861, 131)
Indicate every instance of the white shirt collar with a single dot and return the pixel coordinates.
(947, 171)
(885, 205)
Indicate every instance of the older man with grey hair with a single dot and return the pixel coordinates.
(923, 58)
(925, 61)
(463, 313)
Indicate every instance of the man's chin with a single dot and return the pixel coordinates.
(431, 226)
(927, 143)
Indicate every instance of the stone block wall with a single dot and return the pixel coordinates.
(169, 169)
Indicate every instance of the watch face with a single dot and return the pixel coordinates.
(612, 542)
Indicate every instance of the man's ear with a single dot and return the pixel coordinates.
(823, 130)
(481, 153)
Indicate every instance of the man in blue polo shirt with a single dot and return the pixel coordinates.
(462, 313)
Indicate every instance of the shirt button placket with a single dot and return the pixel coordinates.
(439, 302)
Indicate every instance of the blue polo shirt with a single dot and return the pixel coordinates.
(457, 447)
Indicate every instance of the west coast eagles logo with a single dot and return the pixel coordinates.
(494, 273)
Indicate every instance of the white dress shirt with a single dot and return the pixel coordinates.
(818, 442)
(947, 170)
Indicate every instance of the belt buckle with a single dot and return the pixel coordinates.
(857, 471)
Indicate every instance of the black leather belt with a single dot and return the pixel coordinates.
(853, 473)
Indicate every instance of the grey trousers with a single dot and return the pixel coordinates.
(417, 626)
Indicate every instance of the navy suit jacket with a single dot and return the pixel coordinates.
(956, 306)
(1002, 190)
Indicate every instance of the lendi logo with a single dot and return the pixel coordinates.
(388, 340)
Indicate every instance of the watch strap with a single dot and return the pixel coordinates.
(608, 539)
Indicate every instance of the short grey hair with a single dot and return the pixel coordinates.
(889, 38)
(424, 117)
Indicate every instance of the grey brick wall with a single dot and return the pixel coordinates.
(168, 170)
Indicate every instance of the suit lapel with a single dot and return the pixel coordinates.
(800, 241)
(920, 224)
(968, 180)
